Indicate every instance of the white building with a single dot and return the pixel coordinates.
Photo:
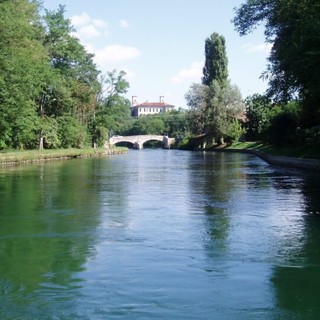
(146, 108)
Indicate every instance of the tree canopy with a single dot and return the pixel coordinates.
(216, 61)
(216, 103)
(293, 28)
(50, 90)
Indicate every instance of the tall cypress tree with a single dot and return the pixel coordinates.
(216, 61)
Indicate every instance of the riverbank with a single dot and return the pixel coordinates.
(31, 156)
(301, 158)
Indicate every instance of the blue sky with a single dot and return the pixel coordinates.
(160, 44)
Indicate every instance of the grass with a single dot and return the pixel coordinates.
(15, 156)
(298, 151)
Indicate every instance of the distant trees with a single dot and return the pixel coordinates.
(216, 103)
(174, 124)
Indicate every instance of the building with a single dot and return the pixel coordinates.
(147, 108)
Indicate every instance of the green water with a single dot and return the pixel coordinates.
(159, 234)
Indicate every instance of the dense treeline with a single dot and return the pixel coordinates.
(53, 96)
(51, 93)
(290, 110)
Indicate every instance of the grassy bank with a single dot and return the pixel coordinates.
(301, 152)
(16, 157)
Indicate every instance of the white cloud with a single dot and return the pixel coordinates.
(89, 31)
(194, 72)
(87, 27)
(262, 47)
(124, 23)
(81, 20)
(99, 23)
(116, 53)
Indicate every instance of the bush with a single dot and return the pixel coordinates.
(102, 135)
(71, 133)
(235, 131)
(309, 136)
(282, 129)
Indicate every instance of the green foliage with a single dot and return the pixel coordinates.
(73, 86)
(71, 133)
(309, 136)
(235, 131)
(148, 125)
(102, 136)
(112, 115)
(23, 70)
(196, 99)
(45, 73)
(50, 133)
(215, 103)
(173, 124)
(257, 116)
(213, 108)
(115, 114)
(283, 124)
(216, 62)
(224, 104)
(293, 29)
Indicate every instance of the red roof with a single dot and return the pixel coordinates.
(153, 104)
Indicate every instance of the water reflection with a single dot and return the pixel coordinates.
(258, 222)
(48, 216)
(296, 278)
(159, 234)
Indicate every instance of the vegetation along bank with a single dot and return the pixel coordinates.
(53, 96)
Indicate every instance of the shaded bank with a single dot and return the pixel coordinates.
(303, 157)
(290, 162)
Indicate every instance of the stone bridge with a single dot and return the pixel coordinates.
(139, 140)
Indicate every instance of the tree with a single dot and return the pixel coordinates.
(23, 71)
(149, 124)
(216, 61)
(75, 85)
(113, 112)
(293, 28)
(224, 104)
(72, 90)
(257, 113)
(215, 103)
(176, 123)
(196, 97)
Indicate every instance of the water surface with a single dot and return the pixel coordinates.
(159, 234)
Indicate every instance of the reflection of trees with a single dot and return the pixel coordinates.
(297, 283)
(212, 184)
(48, 215)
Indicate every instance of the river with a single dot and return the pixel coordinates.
(159, 234)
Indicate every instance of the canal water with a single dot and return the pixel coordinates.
(159, 234)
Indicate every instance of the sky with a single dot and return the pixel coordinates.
(160, 43)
